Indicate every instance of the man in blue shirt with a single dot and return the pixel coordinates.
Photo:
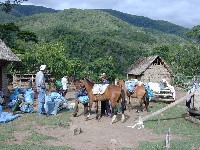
(105, 106)
(41, 89)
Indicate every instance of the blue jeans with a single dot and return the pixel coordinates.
(41, 100)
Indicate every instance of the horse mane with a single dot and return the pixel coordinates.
(90, 82)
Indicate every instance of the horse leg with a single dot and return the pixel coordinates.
(123, 103)
(85, 109)
(97, 112)
(129, 103)
(146, 102)
(89, 112)
(75, 108)
(114, 111)
(140, 107)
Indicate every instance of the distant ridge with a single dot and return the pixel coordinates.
(146, 22)
(24, 10)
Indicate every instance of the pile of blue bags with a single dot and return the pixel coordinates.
(5, 116)
(53, 102)
(19, 96)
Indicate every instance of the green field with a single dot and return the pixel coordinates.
(174, 119)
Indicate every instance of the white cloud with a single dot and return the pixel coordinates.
(180, 12)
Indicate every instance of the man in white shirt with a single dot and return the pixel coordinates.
(64, 85)
(41, 89)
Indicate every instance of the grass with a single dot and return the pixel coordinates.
(31, 146)
(173, 118)
(36, 137)
(29, 123)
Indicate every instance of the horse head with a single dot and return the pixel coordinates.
(85, 83)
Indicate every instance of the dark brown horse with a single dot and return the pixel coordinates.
(139, 92)
(113, 93)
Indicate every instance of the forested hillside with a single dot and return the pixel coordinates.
(145, 22)
(23, 10)
(89, 42)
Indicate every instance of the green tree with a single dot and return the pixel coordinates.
(8, 4)
(194, 32)
(11, 34)
(100, 65)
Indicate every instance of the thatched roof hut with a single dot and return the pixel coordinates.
(150, 69)
(6, 54)
(6, 57)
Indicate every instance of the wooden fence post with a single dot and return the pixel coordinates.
(168, 139)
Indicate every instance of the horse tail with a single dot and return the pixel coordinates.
(123, 100)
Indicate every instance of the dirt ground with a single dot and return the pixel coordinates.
(102, 135)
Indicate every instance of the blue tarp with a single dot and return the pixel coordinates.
(6, 117)
(130, 86)
(149, 91)
(29, 95)
(83, 99)
(52, 102)
(14, 95)
(27, 108)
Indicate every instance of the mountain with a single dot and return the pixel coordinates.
(90, 34)
(24, 10)
(93, 36)
(140, 21)
(145, 22)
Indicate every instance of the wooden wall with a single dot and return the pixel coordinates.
(3, 76)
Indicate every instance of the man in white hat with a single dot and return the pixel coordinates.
(41, 89)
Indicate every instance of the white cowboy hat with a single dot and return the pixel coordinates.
(42, 67)
(103, 75)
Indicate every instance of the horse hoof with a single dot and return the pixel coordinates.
(97, 117)
(74, 115)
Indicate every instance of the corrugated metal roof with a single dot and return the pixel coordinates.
(6, 53)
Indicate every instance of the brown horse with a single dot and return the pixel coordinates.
(113, 93)
(139, 92)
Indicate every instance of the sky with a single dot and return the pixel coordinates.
(181, 12)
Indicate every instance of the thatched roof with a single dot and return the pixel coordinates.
(6, 54)
(143, 63)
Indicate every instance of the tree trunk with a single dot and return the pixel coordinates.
(165, 108)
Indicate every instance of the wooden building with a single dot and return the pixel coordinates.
(150, 69)
(6, 57)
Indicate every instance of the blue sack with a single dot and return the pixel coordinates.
(27, 108)
(130, 86)
(6, 117)
(149, 91)
(83, 99)
(29, 95)
(14, 95)
(0, 109)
